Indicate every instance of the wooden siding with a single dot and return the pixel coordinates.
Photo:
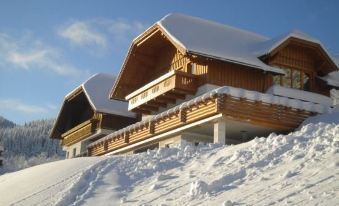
(89, 127)
(79, 132)
(264, 114)
(223, 73)
(239, 109)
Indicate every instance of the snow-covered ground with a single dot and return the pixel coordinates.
(301, 168)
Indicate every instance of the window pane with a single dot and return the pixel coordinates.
(276, 79)
(306, 82)
(296, 79)
(287, 78)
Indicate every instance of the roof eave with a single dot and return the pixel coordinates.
(271, 69)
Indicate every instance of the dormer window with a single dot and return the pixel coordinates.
(294, 78)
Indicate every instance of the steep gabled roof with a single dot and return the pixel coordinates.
(211, 39)
(272, 44)
(97, 89)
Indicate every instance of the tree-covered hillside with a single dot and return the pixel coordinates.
(4, 123)
(27, 145)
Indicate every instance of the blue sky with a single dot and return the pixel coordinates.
(47, 48)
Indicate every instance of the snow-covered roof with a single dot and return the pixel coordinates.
(215, 40)
(268, 46)
(97, 89)
(211, 39)
(331, 78)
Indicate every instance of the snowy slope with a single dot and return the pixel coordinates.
(45, 184)
(300, 168)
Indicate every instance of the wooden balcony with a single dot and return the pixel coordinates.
(158, 93)
(79, 132)
(258, 113)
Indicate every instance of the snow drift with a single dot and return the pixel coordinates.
(300, 168)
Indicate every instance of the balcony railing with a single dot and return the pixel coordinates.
(79, 132)
(167, 88)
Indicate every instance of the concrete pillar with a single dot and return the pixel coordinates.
(219, 133)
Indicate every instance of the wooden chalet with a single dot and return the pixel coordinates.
(207, 82)
(87, 114)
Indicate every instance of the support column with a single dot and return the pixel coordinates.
(219, 133)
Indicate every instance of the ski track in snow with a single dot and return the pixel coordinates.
(301, 168)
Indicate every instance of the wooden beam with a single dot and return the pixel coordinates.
(141, 111)
(174, 94)
(148, 107)
(148, 36)
(156, 104)
(164, 99)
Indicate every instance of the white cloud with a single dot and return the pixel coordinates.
(101, 32)
(123, 29)
(29, 54)
(17, 105)
(83, 34)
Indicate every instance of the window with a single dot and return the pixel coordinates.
(277, 79)
(296, 79)
(293, 78)
(74, 152)
(286, 80)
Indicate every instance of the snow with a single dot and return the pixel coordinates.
(270, 45)
(332, 78)
(97, 89)
(300, 168)
(332, 117)
(45, 184)
(300, 94)
(211, 39)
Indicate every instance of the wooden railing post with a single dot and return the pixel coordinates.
(219, 100)
(151, 127)
(126, 137)
(183, 115)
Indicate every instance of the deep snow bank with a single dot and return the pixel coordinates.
(332, 117)
(300, 168)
